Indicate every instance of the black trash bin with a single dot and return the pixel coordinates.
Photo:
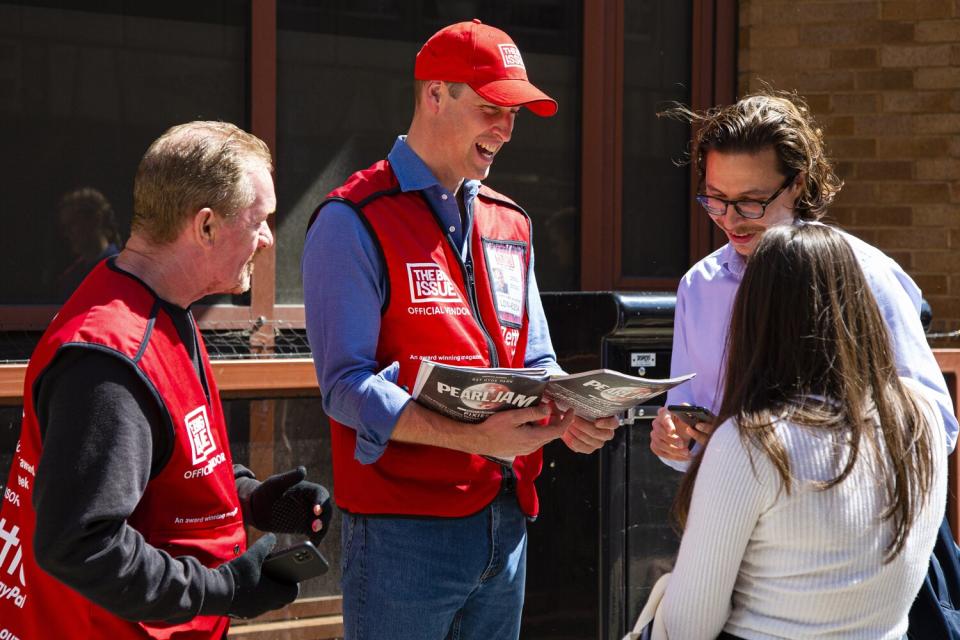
(603, 537)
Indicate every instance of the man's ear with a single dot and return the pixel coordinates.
(796, 188)
(433, 93)
(204, 227)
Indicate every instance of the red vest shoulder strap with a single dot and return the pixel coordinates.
(362, 188)
(489, 194)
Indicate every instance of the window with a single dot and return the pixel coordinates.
(83, 94)
(655, 229)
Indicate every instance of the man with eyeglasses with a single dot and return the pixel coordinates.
(762, 162)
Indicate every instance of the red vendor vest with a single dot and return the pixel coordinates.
(439, 308)
(189, 508)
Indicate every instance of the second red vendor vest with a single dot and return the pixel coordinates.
(190, 508)
(438, 308)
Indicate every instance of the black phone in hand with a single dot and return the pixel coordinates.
(691, 414)
(295, 564)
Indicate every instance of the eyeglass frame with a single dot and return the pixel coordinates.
(700, 197)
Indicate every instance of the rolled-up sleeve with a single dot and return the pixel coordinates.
(343, 292)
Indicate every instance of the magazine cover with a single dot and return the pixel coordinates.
(472, 394)
(602, 392)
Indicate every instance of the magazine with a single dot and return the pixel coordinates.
(472, 394)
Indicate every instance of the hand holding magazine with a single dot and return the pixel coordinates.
(472, 394)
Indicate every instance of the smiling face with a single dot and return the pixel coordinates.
(468, 133)
(242, 236)
(748, 176)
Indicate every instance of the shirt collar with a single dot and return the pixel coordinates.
(413, 174)
(732, 262)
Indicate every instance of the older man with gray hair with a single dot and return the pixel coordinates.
(126, 515)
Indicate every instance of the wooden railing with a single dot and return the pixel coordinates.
(263, 378)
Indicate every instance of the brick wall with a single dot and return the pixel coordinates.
(883, 78)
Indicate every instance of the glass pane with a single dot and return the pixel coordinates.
(83, 93)
(345, 84)
(657, 70)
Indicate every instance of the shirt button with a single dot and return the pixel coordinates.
(452, 229)
(236, 549)
(443, 196)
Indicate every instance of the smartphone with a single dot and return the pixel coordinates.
(691, 414)
(296, 564)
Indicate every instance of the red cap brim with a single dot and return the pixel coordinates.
(515, 93)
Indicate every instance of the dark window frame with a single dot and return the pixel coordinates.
(713, 81)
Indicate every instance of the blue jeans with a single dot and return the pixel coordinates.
(435, 578)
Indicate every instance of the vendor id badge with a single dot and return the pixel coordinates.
(506, 268)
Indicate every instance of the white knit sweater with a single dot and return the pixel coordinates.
(761, 564)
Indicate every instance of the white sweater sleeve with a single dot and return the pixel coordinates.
(728, 499)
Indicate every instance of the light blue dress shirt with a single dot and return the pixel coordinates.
(705, 303)
(344, 287)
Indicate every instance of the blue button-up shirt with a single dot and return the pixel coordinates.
(705, 303)
(344, 288)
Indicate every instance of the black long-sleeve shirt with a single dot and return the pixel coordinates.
(103, 439)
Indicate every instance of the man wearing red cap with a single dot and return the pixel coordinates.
(398, 267)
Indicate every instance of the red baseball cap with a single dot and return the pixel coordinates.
(487, 60)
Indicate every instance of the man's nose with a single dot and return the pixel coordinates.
(266, 236)
(505, 125)
(730, 216)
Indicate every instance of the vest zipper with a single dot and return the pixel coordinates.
(475, 305)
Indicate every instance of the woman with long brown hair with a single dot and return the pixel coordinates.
(813, 510)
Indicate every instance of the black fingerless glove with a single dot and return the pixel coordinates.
(283, 503)
(253, 592)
